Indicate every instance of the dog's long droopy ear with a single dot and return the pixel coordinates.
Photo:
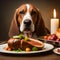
(14, 30)
(40, 26)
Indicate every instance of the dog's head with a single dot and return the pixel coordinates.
(27, 18)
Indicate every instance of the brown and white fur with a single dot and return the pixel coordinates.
(24, 13)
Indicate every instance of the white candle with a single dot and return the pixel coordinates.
(54, 23)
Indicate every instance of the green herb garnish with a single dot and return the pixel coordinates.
(15, 36)
(19, 36)
(26, 38)
(34, 49)
(18, 50)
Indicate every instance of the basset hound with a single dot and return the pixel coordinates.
(27, 18)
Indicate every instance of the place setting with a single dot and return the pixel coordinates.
(23, 44)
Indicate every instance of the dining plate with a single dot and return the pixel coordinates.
(56, 51)
(55, 43)
(47, 47)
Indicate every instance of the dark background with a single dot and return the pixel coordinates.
(7, 9)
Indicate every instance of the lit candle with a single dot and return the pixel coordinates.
(54, 23)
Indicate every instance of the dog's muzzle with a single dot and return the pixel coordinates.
(27, 24)
(27, 30)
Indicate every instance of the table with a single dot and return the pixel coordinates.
(40, 56)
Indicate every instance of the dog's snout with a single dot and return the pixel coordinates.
(27, 22)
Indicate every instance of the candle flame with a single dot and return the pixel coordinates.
(54, 13)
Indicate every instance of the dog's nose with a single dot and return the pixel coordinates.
(27, 22)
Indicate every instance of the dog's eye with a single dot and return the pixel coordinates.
(33, 12)
(22, 12)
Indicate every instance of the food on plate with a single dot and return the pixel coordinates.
(28, 49)
(22, 43)
(34, 49)
(53, 37)
(19, 36)
(58, 32)
(7, 48)
(14, 43)
(58, 39)
(58, 50)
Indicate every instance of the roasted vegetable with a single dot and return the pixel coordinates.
(34, 49)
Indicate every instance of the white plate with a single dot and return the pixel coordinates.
(55, 51)
(47, 47)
